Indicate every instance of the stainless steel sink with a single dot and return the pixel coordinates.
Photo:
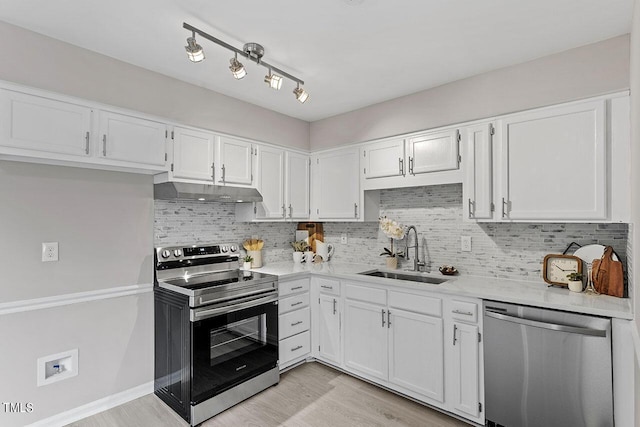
(404, 276)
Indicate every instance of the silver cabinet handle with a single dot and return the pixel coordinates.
(471, 208)
(465, 313)
(86, 138)
(224, 174)
(545, 325)
(296, 288)
(411, 166)
(355, 209)
(104, 145)
(290, 211)
(296, 323)
(455, 328)
(401, 165)
(504, 204)
(383, 318)
(334, 306)
(326, 287)
(296, 303)
(213, 172)
(388, 319)
(296, 348)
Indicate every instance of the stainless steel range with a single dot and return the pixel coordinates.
(216, 330)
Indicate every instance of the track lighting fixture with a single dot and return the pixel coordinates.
(194, 50)
(237, 69)
(251, 51)
(301, 94)
(274, 80)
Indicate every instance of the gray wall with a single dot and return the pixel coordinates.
(39, 61)
(103, 222)
(578, 73)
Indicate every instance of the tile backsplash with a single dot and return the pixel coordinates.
(501, 250)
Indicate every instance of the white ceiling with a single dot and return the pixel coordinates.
(350, 53)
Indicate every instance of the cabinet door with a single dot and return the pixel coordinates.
(41, 124)
(132, 139)
(329, 328)
(337, 182)
(270, 171)
(297, 185)
(433, 152)
(416, 353)
(365, 339)
(478, 185)
(466, 371)
(193, 154)
(554, 164)
(383, 159)
(236, 161)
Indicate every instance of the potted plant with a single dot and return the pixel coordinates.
(575, 281)
(393, 230)
(247, 262)
(299, 247)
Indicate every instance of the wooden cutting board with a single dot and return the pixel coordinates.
(315, 232)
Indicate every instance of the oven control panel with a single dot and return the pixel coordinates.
(176, 253)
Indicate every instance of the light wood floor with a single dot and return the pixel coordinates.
(309, 395)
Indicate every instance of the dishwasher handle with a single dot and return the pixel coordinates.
(545, 325)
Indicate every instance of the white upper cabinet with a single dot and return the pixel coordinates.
(132, 139)
(337, 184)
(236, 161)
(554, 164)
(384, 159)
(478, 184)
(193, 155)
(270, 173)
(433, 152)
(44, 125)
(297, 185)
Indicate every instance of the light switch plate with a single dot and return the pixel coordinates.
(49, 251)
(343, 238)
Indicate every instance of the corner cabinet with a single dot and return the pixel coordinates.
(336, 192)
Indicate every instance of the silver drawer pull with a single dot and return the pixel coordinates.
(466, 313)
(326, 287)
(296, 288)
(296, 348)
(296, 303)
(296, 323)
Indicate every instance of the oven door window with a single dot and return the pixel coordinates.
(232, 348)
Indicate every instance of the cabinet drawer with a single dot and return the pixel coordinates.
(293, 287)
(293, 323)
(293, 347)
(366, 294)
(417, 303)
(327, 286)
(293, 303)
(465, 311)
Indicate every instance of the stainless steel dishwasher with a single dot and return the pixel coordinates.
(546, 367)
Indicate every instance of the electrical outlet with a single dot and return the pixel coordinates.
(465, 243)
(50, 251)
(343, 238)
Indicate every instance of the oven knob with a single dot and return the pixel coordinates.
(166, 253)
(234, 248)
(177, 252)
(224, 249)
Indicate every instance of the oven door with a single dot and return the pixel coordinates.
(231, 343)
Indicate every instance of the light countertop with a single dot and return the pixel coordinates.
(535, 293)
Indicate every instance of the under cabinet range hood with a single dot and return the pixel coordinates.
(205, 192)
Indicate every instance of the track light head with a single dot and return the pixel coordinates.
(273, 80)
(301, 94)
(237, 69)
(194, 50)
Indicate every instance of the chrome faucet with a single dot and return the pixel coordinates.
(416, 261)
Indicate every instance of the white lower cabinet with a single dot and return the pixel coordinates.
(365, 339)
(294, 322)
(329, 315)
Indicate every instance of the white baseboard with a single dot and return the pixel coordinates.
(95, 407)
